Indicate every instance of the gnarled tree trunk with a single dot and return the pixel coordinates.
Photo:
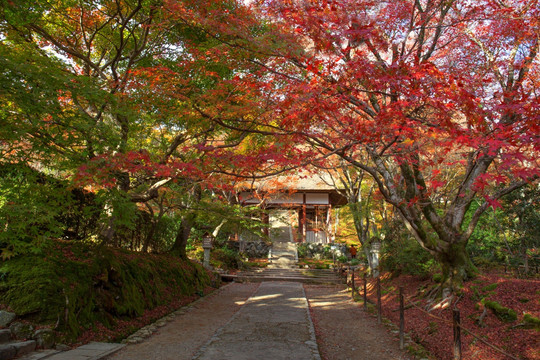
(182, 235)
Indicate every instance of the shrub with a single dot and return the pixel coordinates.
(226, 258)
(354, 262)
(80, 286)
(302, 250)
(405, 256)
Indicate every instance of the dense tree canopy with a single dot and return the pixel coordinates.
(436, 100)
(442, 96)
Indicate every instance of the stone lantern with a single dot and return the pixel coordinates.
(375, 253)
(207, 245)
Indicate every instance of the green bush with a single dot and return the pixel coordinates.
(354, 262)
(302, 250)
(79, 285)
(226, 258)
(401, 255)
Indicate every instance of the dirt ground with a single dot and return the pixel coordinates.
(345, 331)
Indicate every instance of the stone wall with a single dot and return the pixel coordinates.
(252, 249)
(322, 251)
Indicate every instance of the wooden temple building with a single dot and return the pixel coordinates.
(301, 206)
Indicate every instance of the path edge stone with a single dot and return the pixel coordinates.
(314, 346)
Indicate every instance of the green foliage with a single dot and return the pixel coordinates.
(226, 258)
(503, 313)
(402, 255)
(35, 208)
(354, 262)
(315, 251)
(302, 250)
(486, 245)
(507, 234)
(255, 264)
(78, 285)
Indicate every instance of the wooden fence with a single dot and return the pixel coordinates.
(407, 302)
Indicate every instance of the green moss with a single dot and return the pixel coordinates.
(503, 313)
(531, 322)
(490, 287)
(78, 285)
(437, 278)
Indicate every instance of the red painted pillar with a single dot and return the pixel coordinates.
(304, 223)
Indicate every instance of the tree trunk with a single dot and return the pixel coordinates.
(456, 265)
(150, 236)
(182, 236)
(361, 231)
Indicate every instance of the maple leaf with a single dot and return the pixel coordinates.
(494, 203)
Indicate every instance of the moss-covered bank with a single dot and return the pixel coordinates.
(75, 286)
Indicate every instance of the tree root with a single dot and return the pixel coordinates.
(443, 303)
(481, 318)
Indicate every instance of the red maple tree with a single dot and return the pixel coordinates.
(442, 96)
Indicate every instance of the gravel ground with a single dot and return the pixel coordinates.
(345, 331)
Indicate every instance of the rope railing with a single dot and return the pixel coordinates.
(408, 301)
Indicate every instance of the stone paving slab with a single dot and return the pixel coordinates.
(90, 351)
(192, 327)
(273, 324)
(40, 354)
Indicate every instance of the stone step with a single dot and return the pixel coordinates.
(305, 272)
(5, 336)
(321, 276)
(90, 351)
(9, 351)
(40, 354)
(308, 280)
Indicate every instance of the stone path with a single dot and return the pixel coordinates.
(187, 333)
(273, 324)
(284, 256)
(269, 320)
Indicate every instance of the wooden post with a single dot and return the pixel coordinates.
(352, 284)
(365, 292)
(457, 335)
(401, 319)
(379, 306)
